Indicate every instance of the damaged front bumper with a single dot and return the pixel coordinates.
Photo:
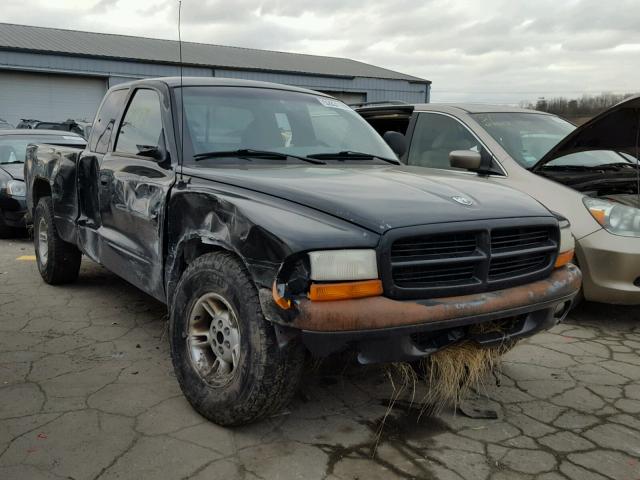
(386, 330)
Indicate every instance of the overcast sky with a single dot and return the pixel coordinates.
(487, 51)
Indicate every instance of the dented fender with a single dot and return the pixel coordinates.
(262, 230)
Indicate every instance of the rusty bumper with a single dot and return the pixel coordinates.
(385, 330)
(381, 312)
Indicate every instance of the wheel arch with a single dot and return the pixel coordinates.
(189, 247)
(41, 188)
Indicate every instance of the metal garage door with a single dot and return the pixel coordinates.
(52, 98)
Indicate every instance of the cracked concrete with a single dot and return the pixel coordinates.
(87, 392)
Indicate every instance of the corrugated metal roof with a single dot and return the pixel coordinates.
(73, 42)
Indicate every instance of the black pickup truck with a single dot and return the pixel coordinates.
(279, 224)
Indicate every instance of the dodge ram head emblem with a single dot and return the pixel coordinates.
(463, 200)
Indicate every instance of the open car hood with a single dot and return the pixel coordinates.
(615, 129)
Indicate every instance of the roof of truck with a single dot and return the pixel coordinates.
(217, 82)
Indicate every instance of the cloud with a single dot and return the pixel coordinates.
(495, 50)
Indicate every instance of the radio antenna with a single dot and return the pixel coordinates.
(181, 90)
(638, 155)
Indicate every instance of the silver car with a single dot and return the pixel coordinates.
(590, 174)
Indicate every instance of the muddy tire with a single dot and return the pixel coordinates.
(58, 261)
(225, 354)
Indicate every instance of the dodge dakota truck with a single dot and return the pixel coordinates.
(275, 222)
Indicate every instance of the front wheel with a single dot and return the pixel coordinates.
(58, 261)
(225, 353)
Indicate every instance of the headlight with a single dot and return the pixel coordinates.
(567, 244)
(567, 241)
(16, 188)
(343, 265)
(614, 217)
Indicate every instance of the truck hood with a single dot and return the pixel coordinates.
(15, 170)
(380, 198)
(615, 129)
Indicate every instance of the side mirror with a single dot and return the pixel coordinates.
(397, 142)
(157, 152)
(465, 159)
(150, 151)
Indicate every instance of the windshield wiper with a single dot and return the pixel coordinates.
(349, 155)
(11, 162)
(249, 153)
(617, 165)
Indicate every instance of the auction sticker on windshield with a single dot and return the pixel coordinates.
(333, 103)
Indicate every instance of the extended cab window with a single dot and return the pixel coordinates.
(105, 121)
(141, 127)
(435, 136)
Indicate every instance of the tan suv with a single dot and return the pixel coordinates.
(588, 174)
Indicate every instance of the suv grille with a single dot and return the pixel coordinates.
(463, 262)
(436, 246)
(505, 239)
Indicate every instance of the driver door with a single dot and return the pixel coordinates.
(134, 182)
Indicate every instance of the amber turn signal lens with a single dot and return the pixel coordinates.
(564, 258)
(279, 299)
(599, 215)
(324, 292)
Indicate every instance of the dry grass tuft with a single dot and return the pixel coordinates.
(403, 378)
(450, 374)
(453, 372)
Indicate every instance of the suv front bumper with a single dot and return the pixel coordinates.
(386, 330)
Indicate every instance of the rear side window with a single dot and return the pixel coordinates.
(105, 121)
(141, 127)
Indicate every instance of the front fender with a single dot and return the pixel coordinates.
(261, 230)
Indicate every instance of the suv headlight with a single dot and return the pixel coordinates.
(614, 217)
(343, 275)
(16, 188)
(567, 244)
(343, 265)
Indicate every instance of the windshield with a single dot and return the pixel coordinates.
(220, 119)
(13, 148)
(527, 137)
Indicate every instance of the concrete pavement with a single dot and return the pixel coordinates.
(87, 392)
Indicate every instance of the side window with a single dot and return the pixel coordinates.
(141, 127)
(104, 123)
(434, 137)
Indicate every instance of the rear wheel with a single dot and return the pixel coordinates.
(58, 261)
(225, 353)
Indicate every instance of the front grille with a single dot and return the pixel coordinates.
(435, 276)
(468, 260)
(435, 246)
(507, 239)
(518, 265)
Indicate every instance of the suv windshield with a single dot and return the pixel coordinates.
(227, 119)
(527, 137)
(13, 148)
